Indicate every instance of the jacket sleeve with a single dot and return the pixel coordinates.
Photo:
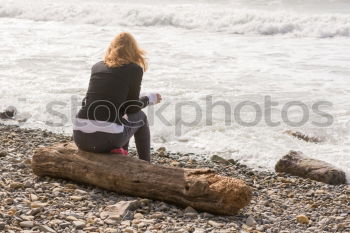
(134, 103)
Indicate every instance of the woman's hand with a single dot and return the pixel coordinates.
(153, 97)
(159, 98)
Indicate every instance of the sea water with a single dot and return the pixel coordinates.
(217, 64)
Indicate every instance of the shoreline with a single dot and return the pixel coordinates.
(277, 198)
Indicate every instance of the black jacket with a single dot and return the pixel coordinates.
(113, 92)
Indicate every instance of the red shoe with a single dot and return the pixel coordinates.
(119, 150)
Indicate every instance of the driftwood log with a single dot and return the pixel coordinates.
(201, 189)
(296, 163)
(304, 137)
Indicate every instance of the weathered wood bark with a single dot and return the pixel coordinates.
(200, 188)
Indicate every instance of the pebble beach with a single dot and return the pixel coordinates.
(281, 203)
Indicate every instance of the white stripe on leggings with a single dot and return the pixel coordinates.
(92, 126)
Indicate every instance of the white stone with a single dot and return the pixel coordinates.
(199, 230)
(55, 222)
(79, 224)
(33, 197)
(125, 223)
(76, 198)
(45, 228)
(213, 223)
(119, 210)
(111, 221)
(71, 218)
(26, 217)
(250, 221)
(27, 224)
(138, 216)
(37, 204)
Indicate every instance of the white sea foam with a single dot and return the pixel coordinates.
(229, 19)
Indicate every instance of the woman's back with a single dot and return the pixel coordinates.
(110, 92)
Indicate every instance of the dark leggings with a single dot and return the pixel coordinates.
(101, 142)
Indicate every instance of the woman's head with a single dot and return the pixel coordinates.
(124, 50)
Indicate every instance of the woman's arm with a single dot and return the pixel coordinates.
(134, 103)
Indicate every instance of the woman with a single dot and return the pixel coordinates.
(111, 112)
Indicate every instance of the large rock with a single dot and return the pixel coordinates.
(202, 189)
(9, 113)
(295, 163)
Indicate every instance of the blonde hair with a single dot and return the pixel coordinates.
(124, 50)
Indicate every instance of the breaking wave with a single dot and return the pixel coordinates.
(206, 17)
